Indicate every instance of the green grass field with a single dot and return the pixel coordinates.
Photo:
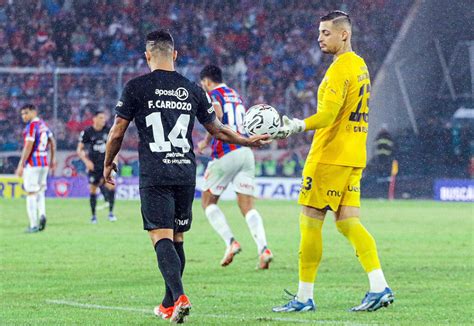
(106, 274)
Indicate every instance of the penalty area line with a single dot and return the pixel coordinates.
(217, 316)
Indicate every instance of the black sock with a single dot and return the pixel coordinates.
(93, 202)
(170, 266)
(168, 299)
(179, 246)
(105, 192)
(111, 200)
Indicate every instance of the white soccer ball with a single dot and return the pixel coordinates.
(262, 119)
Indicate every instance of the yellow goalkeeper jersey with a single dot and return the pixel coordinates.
(346, 83)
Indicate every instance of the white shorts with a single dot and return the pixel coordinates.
(237, 167)
(34, 178)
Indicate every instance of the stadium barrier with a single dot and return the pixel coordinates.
(127, 188)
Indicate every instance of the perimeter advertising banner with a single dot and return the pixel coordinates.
(461, 190)
(127, 188)
(11, 187)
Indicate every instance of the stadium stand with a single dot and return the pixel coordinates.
(269, 51)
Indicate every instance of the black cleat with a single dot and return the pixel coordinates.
(42, 223)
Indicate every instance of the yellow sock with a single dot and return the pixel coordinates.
(311, 247)
(362, 242)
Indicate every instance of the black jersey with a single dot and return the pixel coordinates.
(164, 105)
(94, 141)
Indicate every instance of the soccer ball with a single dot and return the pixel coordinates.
(262, 119)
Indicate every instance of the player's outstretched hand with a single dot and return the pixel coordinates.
(290, 127)
(108, 169)
(258, 140)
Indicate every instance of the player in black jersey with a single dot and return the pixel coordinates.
(93, 140)
(164, 105)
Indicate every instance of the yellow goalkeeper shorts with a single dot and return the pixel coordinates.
(328, 186)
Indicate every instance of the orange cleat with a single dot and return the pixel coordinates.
(163, 312)
(230, 252)
(181, 310)
(265, 259)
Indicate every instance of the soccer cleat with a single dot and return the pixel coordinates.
(163, 312)
(42, 223)
(265, 259)
(230, 252)
(33, 229)
(94, 219)
(296, 306)
(374, 301)
(181, 309)
(112, 217)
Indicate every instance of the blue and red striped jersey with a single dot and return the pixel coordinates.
(234, 112)
(38, 132)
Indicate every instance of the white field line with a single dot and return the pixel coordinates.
(150, 312)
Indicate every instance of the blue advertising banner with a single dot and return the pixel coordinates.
(461, 190)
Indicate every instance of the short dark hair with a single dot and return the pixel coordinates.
(28, 106)
(212, 72)
(97, 112)
(160, 40)
(338, 16)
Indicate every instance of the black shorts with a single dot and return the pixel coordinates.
(167, 207)
(95, 177)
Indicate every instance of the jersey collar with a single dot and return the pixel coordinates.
(35, 119)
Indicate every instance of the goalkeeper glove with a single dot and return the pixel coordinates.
(290, 127)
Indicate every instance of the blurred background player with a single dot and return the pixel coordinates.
(94, 138)
(333, 168)
(230, 163)
(33, 165)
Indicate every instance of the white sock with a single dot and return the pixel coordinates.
(305, 291)
(41, 204)
(218, 221)
(255, 223)
(32, 209)
(377, 281)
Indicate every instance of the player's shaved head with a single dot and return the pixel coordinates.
(160, 41)
(338, 18)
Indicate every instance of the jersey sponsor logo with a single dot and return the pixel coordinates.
(181, 222)
(334, 193)
(180, 93)
(176, 158)
(353, 188)
(99, 148)
(210, 110)
(246, 186)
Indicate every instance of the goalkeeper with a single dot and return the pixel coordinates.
(333, 168)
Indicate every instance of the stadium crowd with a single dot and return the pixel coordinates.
(268, 50)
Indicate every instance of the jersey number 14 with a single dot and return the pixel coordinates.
(176, 137)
